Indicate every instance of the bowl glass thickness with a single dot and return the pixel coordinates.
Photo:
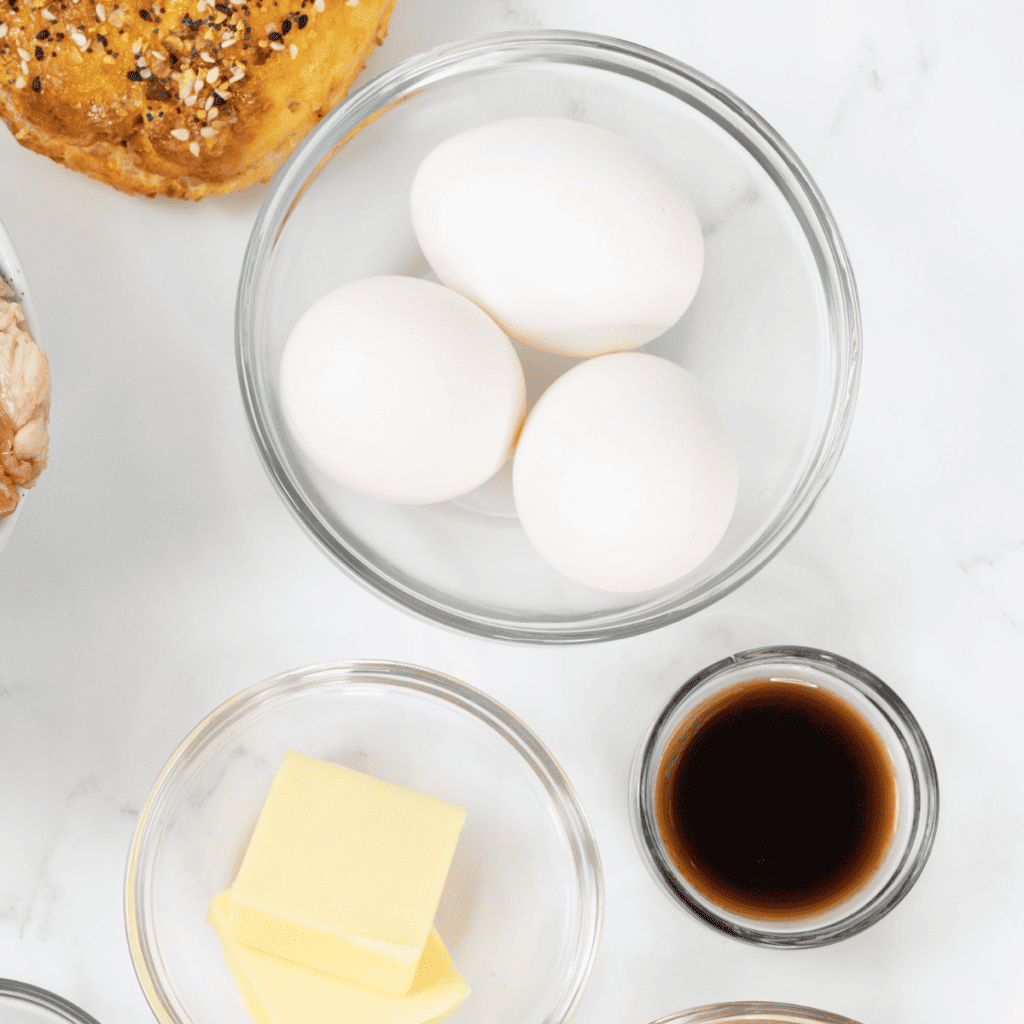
(773, 332)
(753, 1013)
(892, 722)
(521, 911)
(13, 273)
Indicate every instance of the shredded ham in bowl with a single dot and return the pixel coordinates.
(24, 404)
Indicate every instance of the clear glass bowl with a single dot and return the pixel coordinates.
(773, 333)
(916, 782)
(28, 1004)
(754, 1013)
(13, 273)
(521, 912)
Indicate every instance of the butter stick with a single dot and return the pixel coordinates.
(278, 991)
(344, 873)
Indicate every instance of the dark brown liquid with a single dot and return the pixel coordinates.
(776, 799)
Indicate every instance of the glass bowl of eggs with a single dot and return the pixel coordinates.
(547, 338)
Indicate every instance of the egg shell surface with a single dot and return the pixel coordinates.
(574, 239)
(402, 390)
(625, 476)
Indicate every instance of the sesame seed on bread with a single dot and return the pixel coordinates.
(181, 98)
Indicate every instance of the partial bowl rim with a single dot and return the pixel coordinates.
(61, 1008)
(652, 67)
(510, 727)
(754, 1012)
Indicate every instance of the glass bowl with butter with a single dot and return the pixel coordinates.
(773, 333)
(520, 912)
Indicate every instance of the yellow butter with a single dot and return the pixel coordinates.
(277, 991)
(344, 873)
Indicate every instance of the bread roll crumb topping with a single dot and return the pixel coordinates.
(178, 97)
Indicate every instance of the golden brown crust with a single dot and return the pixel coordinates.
(109, 88)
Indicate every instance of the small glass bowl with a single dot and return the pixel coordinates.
(916, 780)
(12, 272)
(753, 1013)
(773, 334)
(521, 911)
(21, 1003)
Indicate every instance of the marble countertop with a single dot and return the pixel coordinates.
(155, 572)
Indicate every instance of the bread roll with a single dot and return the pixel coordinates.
(178, 98)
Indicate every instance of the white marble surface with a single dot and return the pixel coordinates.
(155, 572)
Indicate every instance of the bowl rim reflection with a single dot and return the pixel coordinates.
(762, 143)
(289, 686)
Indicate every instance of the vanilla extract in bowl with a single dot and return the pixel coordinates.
(785, 796)
(777, 799)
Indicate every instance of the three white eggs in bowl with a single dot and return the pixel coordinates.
(771, 334)
(570, 239)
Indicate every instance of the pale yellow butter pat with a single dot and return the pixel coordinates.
(344, 873)
(277, 991)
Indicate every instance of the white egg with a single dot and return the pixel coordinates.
(573, 239)
(402, 390)
(625, 475)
